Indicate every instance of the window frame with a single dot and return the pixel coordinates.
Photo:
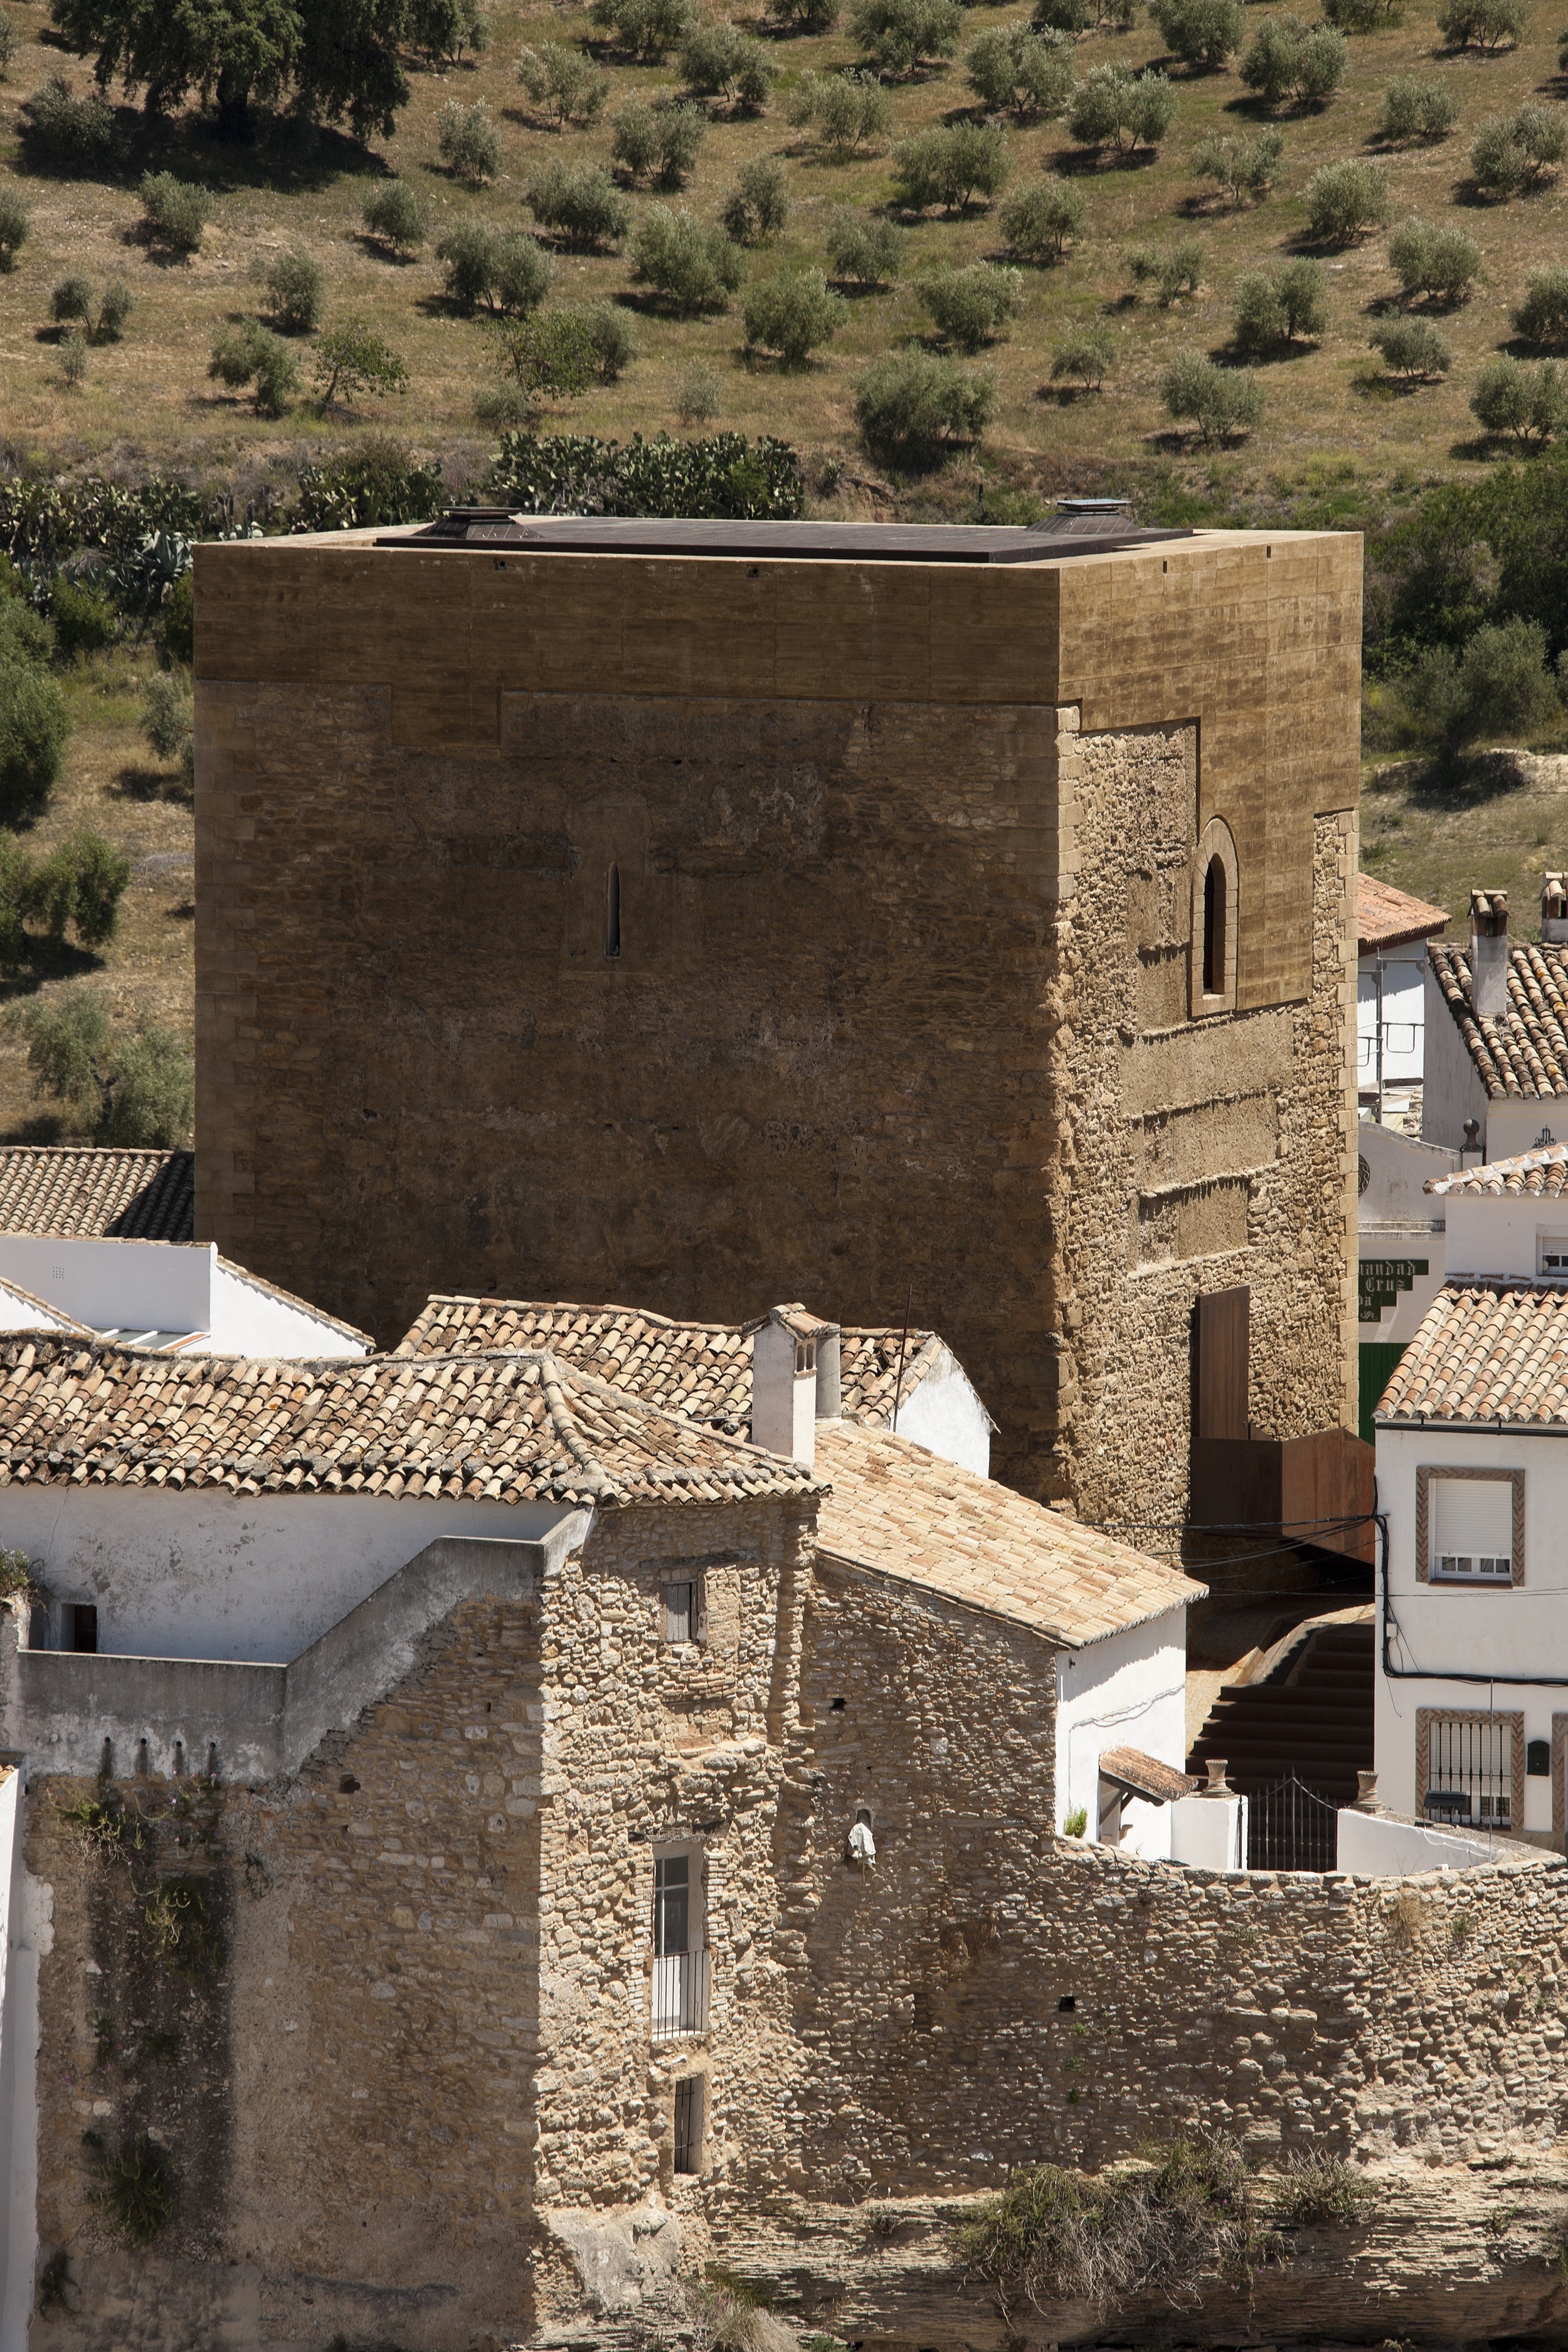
(1512, 1718)
(1214, 841)
(696, 1635)
(1424, 1474)
(1558, 1242)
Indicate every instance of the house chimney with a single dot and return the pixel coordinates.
(1554, 907)
(1489, 954)
(794, 1372)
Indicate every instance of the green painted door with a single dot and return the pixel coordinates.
(1378, 1357)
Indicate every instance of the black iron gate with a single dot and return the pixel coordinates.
(1292, 1826)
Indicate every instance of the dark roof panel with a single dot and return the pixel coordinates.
(1092, 533)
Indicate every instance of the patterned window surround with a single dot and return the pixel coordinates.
(1426, 1716)
(1424, 1477)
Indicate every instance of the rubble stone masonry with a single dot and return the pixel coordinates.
(902, 991)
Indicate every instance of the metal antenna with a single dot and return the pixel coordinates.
(903, 1343)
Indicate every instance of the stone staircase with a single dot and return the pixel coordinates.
(1308, 1712)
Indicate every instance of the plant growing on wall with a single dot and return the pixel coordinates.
(135, 2196)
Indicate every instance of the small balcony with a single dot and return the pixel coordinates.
(679, 1995)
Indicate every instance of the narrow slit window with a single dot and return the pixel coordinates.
(688, 2123)
(612, 911)
(1214, 929)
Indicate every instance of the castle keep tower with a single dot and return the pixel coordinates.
(694, 915)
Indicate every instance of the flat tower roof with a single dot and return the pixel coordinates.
(1094, 534)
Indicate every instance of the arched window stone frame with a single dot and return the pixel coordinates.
(1214, 841)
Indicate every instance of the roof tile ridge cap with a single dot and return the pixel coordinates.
(595, 1478)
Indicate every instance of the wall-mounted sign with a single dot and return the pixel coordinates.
(1382, 1280)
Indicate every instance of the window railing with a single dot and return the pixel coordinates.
(679, 1995)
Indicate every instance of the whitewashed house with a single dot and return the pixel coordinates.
(101, 1242)
(1497, 1045)
(1401, 1242)
(1471, 1710)
(1392, 931)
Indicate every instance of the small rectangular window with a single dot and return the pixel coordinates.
(689, 2123)
(83, 1627)
(1551, 1256)
(1472, 1530)
(679, 1613)
(672, 1904)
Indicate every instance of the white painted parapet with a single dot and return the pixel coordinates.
(1209, 1832)
(1388, 1845)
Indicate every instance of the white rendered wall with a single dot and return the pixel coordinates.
(1209, 1832)
(1498, 1235)
(1518, 1630)
(946, 1417)
(1375, 1847)
(132, 1285)
(1404, 1016)
(249, 1321)
(1513, 1126)
(204, 1574)
(1126, 1691)
(1451, 1090)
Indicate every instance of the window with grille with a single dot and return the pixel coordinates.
(1470, 1772)
(1472, 1530)
(689, 2123)
(671, 1904)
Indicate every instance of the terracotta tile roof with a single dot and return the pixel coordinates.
(1146, 1776)
(1542, 1173)
(1387, 918)
(1527, 1054)
(910, 1515)
(504, 1428)
(1485, 1352)
(703, 1369)
(147, 1196)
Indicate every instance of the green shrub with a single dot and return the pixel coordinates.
(1322, 2191)
(78, 885)
(912, 407)
(899, 35)
(581, 203)
(396, 215)
(169, 722)
(174, 213)
(723, 475)
(564, 82)
(73, 356)
(1239, 167)
(807, 15)
(1530, 402)
(1067, 18)
(1038, 221)
(1281, 306)
(15, 221)
(72, 299)
(950, 165)
(551, 354)
(503, 268)
(1086, 355)
(177, 619)
(352, 357)
(296, 288)
(1344, 200)
(252, 355)
(648, 29)
(1114, 107)
(135, 2196)
(1541, 316)
(1202, 33)
(1481, 24)
(695, 270)
(660, 142)
(1052, 2237)
(757, 206)
(1219, 401)
(10, 41)
(699, 394)
(114, 311)
(613, 337)
(83, 617)
(1440, 263)
(846, 109)
(1416, 110)
(1075, 1824)
(1512, 154)
(379, 484)
(33, 726)
(1288, 58)
(1013, 70)
(135, 1088)
(971, 306)
(721, 61)
(863, 250)
(1171, 269)
(75, 135)
(1497, 684)
(792, 314)
(466, 138)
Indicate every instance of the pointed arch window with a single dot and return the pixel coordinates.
(1215, 919)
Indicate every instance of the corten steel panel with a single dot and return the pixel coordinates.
(1224, 1362)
